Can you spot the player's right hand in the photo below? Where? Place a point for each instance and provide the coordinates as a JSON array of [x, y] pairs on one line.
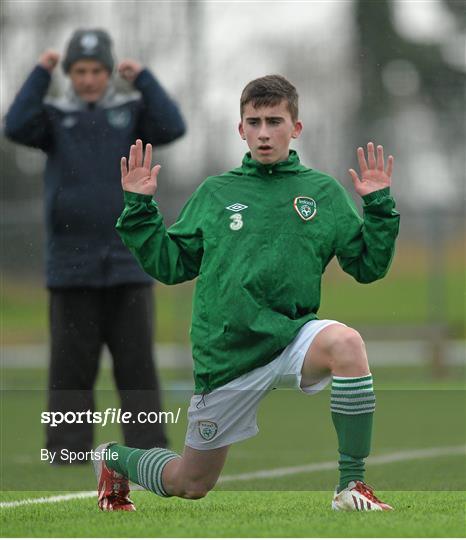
[[49, 59], [136, 174]]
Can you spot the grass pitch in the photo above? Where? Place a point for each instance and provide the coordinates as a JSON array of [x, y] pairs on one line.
[[243, 514], [413, 413]]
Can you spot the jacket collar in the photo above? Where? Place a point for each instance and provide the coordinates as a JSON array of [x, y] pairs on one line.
[[292, 165], [77, 103]]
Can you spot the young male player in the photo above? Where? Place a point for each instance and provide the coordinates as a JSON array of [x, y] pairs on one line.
[[258, 238]]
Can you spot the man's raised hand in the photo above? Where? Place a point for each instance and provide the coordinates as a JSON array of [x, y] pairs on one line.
[[374, 175], [49, 59], [136, 174], [129, 69]]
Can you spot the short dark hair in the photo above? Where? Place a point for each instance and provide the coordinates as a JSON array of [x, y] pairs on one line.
[[269, 91]]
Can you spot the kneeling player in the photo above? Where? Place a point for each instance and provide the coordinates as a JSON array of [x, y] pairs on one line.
[[258, 238]]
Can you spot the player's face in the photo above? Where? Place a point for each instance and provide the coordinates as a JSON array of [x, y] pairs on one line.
[[89, 79], [268, 132]]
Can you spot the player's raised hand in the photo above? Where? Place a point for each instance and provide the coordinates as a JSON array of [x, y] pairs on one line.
[[49, 59], [373, 174], [136, 174]]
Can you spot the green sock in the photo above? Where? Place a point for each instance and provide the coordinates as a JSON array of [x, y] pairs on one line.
[[352, 406], [143, 467]]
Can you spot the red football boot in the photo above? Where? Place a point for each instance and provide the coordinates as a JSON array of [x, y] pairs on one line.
[[112, 487]]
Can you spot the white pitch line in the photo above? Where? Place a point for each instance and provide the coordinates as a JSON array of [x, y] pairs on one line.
[[406, 455], [422, 453], [54, 498]]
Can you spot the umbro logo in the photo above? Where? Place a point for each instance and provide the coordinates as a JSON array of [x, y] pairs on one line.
[[237, 207]]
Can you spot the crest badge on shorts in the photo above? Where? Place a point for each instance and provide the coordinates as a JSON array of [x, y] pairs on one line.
[[306, 207], [207, 430]]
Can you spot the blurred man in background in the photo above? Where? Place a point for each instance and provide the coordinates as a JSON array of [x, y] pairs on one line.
[[98, 293]]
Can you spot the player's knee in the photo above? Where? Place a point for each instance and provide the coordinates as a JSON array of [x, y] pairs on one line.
[[348, 347], [195, 492]]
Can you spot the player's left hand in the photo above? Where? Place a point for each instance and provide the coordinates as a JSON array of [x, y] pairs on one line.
[[374, 175], [129, 69]]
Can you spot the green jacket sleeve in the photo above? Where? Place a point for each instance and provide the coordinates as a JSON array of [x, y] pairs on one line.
[[365, 247], [170, 255]]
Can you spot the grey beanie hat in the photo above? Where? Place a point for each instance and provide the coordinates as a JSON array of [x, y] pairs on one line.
[[89, 44]]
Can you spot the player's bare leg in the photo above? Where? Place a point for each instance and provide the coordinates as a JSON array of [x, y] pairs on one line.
[[190, 476], [195, 473], [340, 351]]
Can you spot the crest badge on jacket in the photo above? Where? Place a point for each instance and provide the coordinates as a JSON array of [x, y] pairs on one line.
[[306, 207], [119, 119]]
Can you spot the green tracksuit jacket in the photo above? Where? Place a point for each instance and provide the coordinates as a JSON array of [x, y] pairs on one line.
[[258, 238]]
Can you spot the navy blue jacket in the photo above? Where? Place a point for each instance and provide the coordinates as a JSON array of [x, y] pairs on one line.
[[83, 196]]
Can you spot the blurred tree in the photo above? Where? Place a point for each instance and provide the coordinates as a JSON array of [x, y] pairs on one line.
[[379, 43], [396, 76], [458, 9]]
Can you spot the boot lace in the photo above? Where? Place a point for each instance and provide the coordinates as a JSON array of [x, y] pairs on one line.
[[120, 487], [367, 491]]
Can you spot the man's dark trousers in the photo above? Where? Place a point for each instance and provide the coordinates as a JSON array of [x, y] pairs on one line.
[[82, 320]]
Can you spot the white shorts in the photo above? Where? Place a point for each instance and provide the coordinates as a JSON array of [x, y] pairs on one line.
[[228, 414]]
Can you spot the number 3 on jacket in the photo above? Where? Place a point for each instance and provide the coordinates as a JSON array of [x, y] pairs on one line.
[[236, 222]]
